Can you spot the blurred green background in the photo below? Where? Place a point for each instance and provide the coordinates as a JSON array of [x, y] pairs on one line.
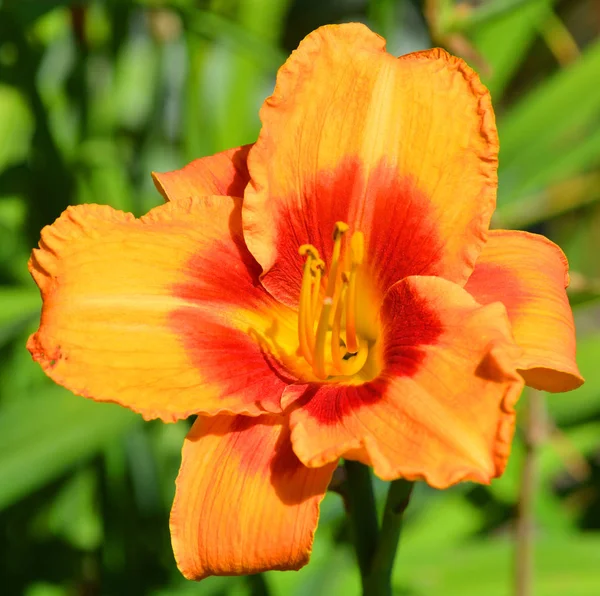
[[93, 96]]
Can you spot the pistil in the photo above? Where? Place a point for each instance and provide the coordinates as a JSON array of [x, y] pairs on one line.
[[357, 249], [332, 279], [336, 345], [318, 268]]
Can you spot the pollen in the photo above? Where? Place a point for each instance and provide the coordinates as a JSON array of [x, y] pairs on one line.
[[327, 315]]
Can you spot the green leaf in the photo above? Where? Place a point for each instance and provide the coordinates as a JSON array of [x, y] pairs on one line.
[[558, 113], [504, 37], [563, 565], [136, 74], [240, 65], [422, 530], [44, 436], [211, 586], [28, 11], [332, 569], [19, 307], [583, 403], [73, 514], [16, 124], [466, 18], [45, 589], [535, 207]]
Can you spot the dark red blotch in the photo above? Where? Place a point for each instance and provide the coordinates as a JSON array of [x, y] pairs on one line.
[[397, 219], [410, 324], [227, 274]]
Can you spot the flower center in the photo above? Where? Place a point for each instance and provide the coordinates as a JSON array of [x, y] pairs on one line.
[[327, 331]]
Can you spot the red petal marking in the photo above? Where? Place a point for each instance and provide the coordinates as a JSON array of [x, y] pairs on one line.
[[285, 462], [238, 364], [226, 273], [223, 282], [404, 238], [415, 325], [329, 404], [401, 235]]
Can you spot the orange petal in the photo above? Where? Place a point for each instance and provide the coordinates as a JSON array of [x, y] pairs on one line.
[[442, 409], [529, 274], [224, 173], [404, 149], [244, 503], [162, 314]]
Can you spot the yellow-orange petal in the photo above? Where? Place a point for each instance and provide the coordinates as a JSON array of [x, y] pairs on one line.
[[403, 149], [442, 409], [224, 173], [162, 314], [244, 503], [529, 274]]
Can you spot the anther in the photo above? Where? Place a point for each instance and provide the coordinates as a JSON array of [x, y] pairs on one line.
[[339, 229], [308, 249], [318, 266]]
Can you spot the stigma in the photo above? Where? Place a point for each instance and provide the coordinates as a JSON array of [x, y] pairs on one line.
[[327, 315]]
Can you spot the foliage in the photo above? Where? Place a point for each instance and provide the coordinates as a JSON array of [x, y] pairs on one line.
[[96, 94]]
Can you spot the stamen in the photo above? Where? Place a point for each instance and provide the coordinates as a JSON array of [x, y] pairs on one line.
[[318, 268], [331, 308], [305, 334], [357, 249], [338, 232], [336, 299], [319, 353]]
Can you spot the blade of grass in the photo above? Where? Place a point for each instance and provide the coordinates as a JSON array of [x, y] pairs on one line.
[[505, 40], [554, 115], [555, 200]]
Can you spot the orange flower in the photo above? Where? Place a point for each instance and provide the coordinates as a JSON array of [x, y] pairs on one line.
[[353, 304]]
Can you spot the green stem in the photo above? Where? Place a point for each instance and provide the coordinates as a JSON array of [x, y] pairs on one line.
[[258, 585], [362, 513], [375, 548], [379, 581]]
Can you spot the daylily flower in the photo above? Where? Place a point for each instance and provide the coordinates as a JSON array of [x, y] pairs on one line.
[[353, 304]]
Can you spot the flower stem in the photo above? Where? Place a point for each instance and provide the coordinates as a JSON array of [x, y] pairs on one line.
[[362, 513], [375, 548], [398, 497], [258, 585]]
